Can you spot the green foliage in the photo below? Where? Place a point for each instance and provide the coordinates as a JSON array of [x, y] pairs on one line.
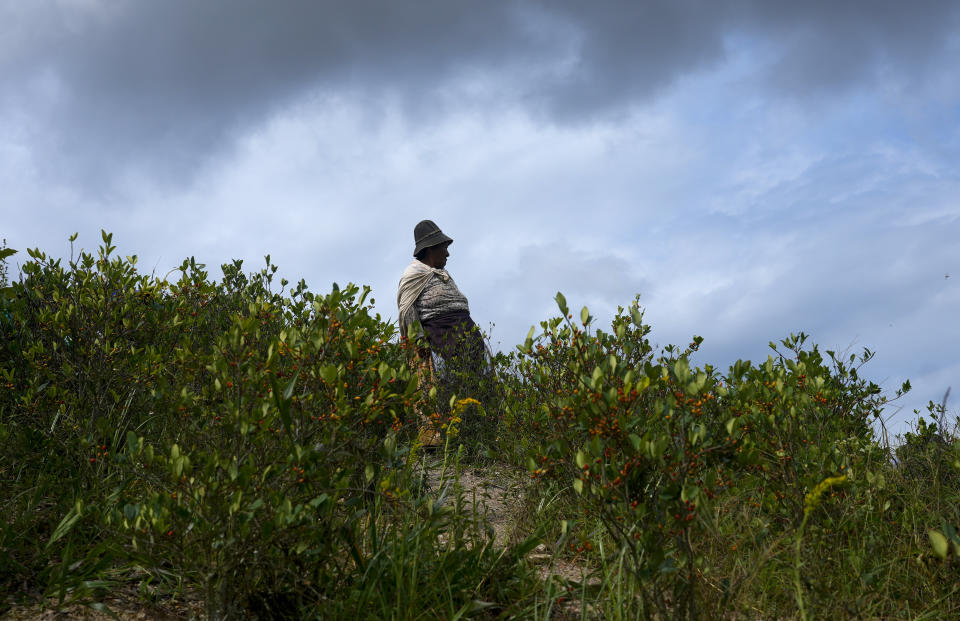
[[259, 448], [257, 445], [680, 466], [281, 439], [5, 253]]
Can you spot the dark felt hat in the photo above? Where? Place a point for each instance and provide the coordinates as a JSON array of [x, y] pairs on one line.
[[427, 234]]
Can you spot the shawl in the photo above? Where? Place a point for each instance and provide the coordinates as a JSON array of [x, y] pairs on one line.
[[412, 282]]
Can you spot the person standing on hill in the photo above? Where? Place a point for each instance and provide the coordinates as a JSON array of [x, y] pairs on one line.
[[433, 311], [451, 355]]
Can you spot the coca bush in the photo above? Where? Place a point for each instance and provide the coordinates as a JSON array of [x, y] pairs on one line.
[[652, 447]]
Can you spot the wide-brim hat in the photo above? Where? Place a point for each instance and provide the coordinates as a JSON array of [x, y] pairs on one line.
[[427, 234]]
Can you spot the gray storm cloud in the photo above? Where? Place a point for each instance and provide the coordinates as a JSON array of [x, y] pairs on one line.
[[166, 85]]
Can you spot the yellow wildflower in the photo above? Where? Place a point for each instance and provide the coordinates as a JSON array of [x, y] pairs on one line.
[[462, 404], [813, 498]]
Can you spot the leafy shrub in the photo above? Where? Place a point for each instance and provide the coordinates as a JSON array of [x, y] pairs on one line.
[[652, 449], [259, 447], [286, 456], [255, 444]]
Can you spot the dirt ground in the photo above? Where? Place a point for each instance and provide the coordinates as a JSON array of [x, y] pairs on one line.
[[125, 607], [497, 493]]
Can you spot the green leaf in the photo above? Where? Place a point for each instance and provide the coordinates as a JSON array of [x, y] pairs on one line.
[[288, 391], [701, 380], [658, 446], [939, 543], [282, 400], [596, 380], [328, 373], [596, 446], [581, 459], [6, 252], [562, 304], [585, 316], [578, 486], [66, 524]]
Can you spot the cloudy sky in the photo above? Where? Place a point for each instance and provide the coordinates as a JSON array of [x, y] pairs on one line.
[[752, 168]]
